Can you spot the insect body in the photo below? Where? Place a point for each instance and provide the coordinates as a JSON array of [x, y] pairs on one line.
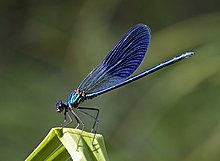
[[113, 72]]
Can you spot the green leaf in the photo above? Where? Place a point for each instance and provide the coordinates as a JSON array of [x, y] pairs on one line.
[[61, 144]]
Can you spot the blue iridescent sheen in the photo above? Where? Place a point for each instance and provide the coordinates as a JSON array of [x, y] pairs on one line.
[[113, 72], [73, 97], [121, 62]]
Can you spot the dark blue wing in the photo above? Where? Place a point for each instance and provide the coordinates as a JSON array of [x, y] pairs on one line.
[[121, 62]]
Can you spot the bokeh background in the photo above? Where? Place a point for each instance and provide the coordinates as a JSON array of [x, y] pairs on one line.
[[48, 47]]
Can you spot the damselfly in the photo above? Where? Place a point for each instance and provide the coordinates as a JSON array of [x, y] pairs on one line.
[[113, 72]]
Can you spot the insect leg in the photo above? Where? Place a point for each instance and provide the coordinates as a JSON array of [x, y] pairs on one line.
[[79, 122], [96, 123]]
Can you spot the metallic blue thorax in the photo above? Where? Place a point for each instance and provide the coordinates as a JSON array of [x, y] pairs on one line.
[[73, 98]]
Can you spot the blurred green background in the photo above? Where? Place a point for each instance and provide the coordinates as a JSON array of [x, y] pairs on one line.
[[48, 47]]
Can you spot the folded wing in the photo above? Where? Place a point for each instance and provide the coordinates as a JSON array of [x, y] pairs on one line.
[[121, 62]]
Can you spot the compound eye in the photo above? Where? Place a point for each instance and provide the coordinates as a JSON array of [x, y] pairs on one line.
[[60, 106]]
